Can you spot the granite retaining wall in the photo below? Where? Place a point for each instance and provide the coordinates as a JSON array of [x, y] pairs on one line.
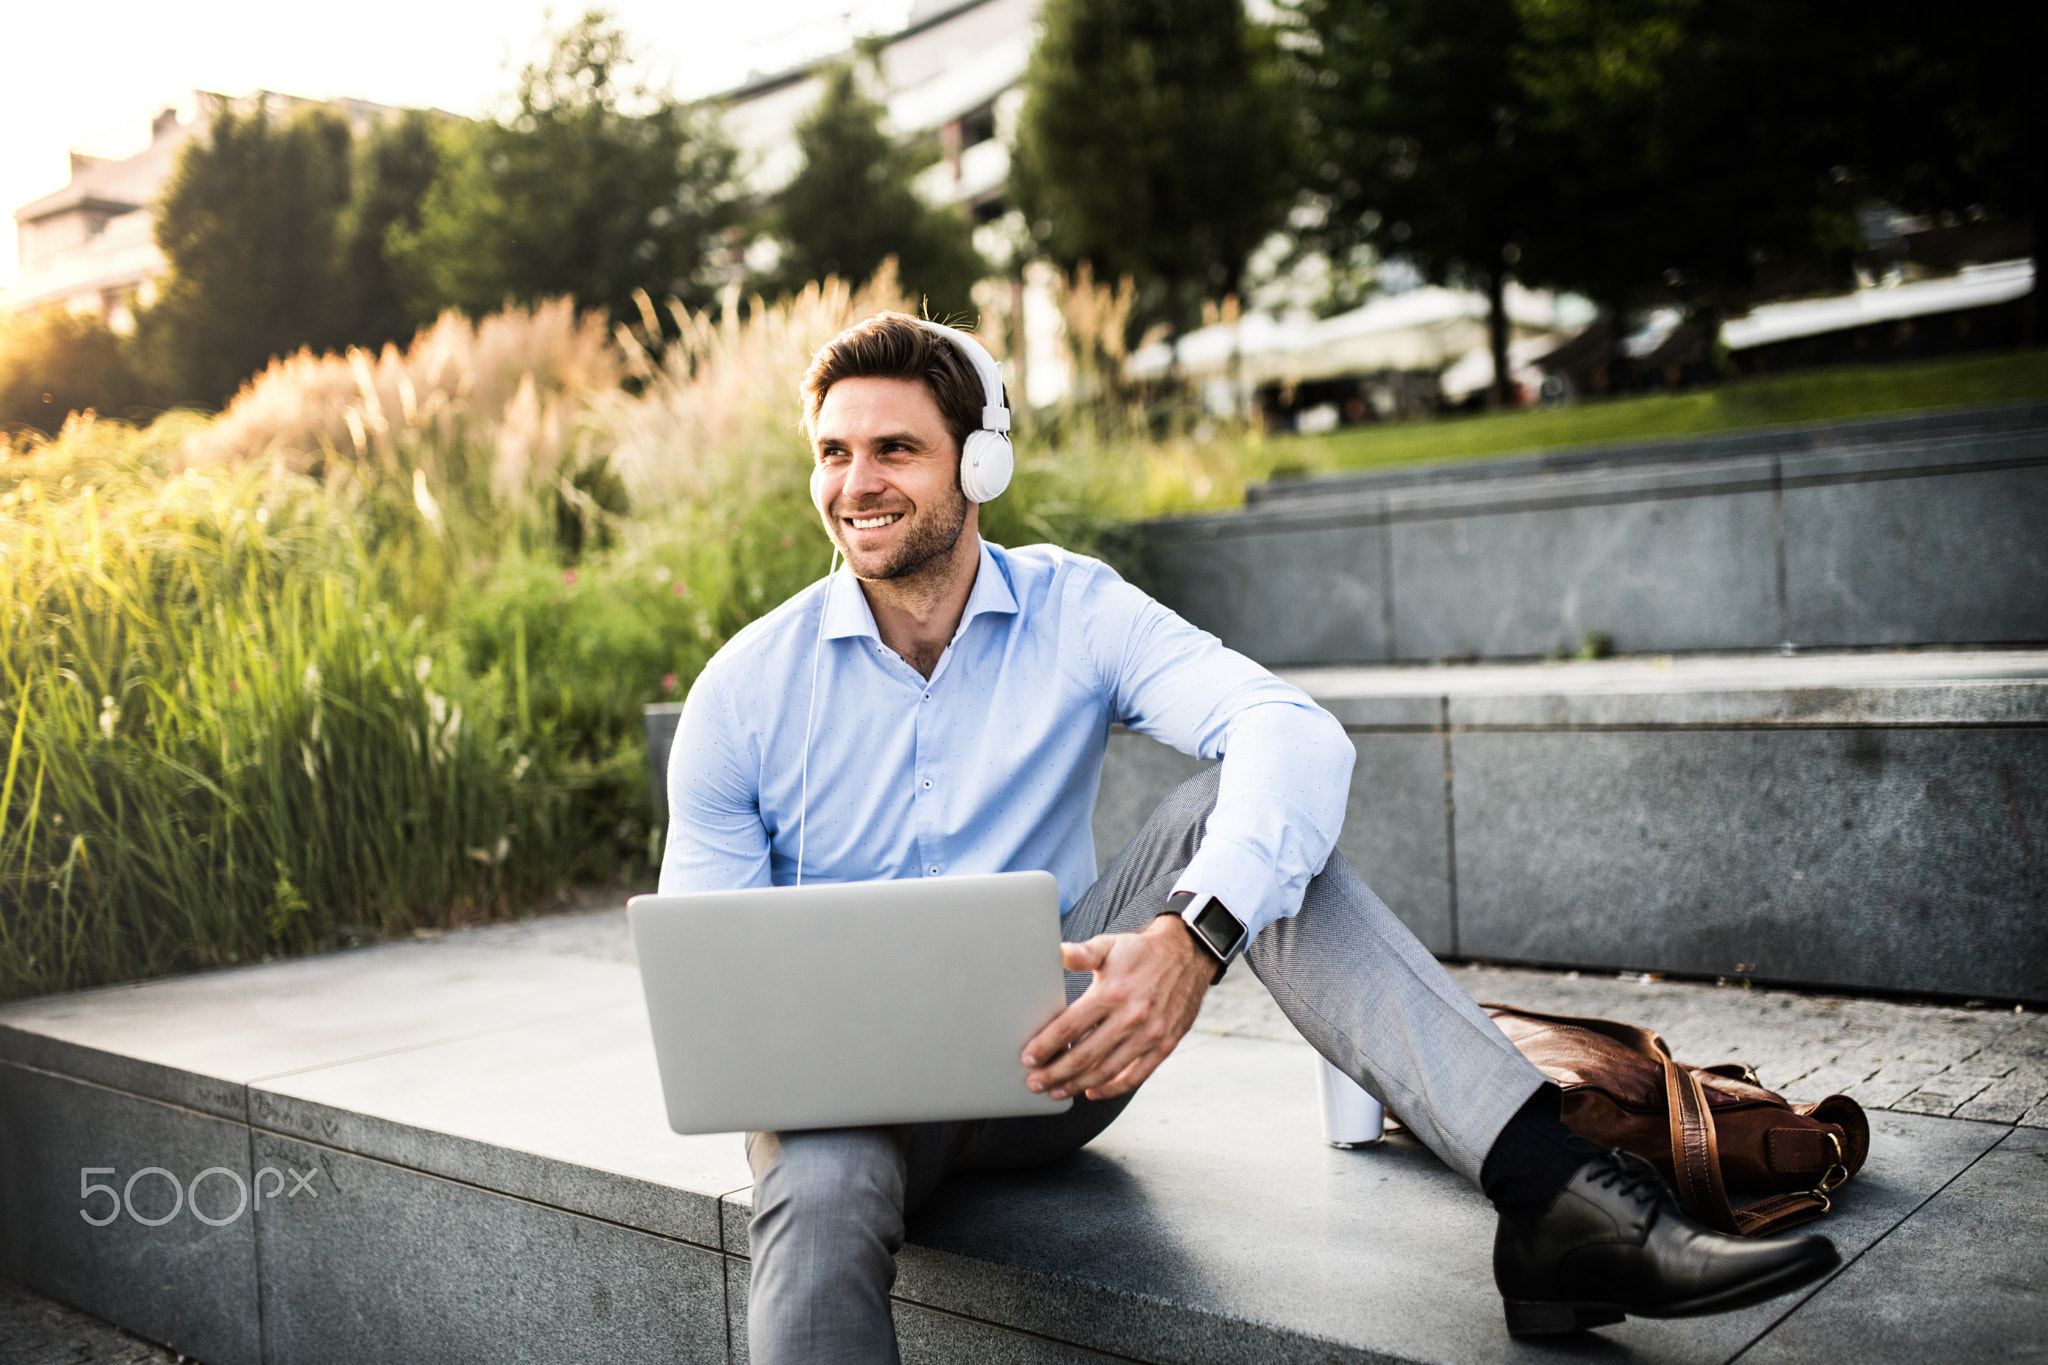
[[1833, 821], [1929, 529]]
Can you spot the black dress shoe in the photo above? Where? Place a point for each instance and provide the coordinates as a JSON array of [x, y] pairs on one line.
[[1615, 1243]]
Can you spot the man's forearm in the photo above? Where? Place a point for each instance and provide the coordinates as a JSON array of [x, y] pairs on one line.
[[1279, 806]]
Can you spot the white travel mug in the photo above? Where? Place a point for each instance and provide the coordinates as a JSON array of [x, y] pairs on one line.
[[1351, 1117]]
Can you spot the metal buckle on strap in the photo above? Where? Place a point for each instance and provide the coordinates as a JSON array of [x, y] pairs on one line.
[[1834, 1177]]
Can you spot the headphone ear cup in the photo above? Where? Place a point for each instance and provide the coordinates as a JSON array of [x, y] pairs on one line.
[[986, 462]]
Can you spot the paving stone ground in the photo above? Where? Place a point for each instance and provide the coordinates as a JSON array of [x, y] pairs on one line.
[[1948, 1061], [37, 1330]]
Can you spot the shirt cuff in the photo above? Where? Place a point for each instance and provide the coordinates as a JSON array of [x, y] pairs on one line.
[[1244, 890]]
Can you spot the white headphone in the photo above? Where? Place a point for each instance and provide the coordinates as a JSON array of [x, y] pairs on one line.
[[986, 460]]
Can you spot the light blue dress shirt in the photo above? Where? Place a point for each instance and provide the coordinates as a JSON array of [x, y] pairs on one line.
[[991, 764]]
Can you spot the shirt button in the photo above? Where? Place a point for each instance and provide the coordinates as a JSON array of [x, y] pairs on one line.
[[927, 784], [934, 872]]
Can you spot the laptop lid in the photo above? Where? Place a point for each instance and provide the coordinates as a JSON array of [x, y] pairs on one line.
[[846, 1004]]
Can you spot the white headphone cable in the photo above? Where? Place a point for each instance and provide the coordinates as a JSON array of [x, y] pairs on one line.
[[803, 809]]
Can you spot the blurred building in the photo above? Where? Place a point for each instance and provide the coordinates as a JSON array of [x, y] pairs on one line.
[[91, 246], [954, 70]]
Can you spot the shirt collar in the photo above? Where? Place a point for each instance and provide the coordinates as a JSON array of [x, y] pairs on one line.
[[846, 608], [991, 591], [847, 612]]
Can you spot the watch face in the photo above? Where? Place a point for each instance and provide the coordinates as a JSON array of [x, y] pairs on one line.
[[1220, 928]]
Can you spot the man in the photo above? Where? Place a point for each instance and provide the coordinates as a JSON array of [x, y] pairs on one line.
[[941, 706]]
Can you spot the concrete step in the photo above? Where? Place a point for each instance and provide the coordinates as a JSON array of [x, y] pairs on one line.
[[1914, 530], [470, 1163], [1868, 821]]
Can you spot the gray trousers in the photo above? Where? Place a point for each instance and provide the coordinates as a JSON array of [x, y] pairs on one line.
[[829, 1204]]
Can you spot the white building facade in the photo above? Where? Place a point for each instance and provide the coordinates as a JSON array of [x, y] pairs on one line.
[[91, 246], [955, 70]]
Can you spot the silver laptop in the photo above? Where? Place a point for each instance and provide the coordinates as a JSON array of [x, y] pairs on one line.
[[850, 1003]]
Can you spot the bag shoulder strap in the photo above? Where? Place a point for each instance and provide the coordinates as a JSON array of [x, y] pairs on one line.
[[1779, 1212], [1695, 1146]]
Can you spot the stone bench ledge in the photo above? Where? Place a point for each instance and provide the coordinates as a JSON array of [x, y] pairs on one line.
[[497, 1180], [1960, 687]]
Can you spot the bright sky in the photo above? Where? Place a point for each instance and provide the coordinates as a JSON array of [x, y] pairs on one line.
[[77, 74]]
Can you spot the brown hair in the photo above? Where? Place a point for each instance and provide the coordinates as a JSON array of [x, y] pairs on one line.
[[895, 346]]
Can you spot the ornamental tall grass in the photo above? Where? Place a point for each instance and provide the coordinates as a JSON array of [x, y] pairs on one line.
[[367, 652], [219, 743]]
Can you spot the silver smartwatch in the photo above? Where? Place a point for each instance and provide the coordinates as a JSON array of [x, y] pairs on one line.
[[1219, 932]]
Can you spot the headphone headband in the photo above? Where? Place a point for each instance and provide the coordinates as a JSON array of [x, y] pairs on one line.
[[994, 416], [985, 459]]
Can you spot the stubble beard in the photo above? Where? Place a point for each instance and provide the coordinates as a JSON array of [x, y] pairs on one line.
[[930, 536]]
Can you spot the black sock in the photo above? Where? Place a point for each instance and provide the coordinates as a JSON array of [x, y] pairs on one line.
[[1533, 1159]]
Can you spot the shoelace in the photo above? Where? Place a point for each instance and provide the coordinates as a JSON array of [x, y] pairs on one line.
[[1631, 1176]]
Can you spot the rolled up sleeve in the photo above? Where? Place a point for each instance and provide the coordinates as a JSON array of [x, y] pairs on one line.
[[1286, 761]]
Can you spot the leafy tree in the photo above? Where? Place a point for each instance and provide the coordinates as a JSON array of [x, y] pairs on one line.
[[595, 187], [854, 203], [1703, 144], [250, 226], [1721, 149], [1154, 142], [1650, 151], [394, 167], [1421, 141], [54, 363], [1951, 115]]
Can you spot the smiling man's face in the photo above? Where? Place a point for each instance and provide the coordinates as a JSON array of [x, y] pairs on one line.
[[888, 477]]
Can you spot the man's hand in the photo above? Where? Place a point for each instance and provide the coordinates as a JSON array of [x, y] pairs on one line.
[[1147, 990]]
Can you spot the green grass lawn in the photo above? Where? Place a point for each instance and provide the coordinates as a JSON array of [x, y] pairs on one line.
[[1771, 400]]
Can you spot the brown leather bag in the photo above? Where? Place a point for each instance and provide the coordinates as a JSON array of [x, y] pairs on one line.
[[1708, 1129]]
